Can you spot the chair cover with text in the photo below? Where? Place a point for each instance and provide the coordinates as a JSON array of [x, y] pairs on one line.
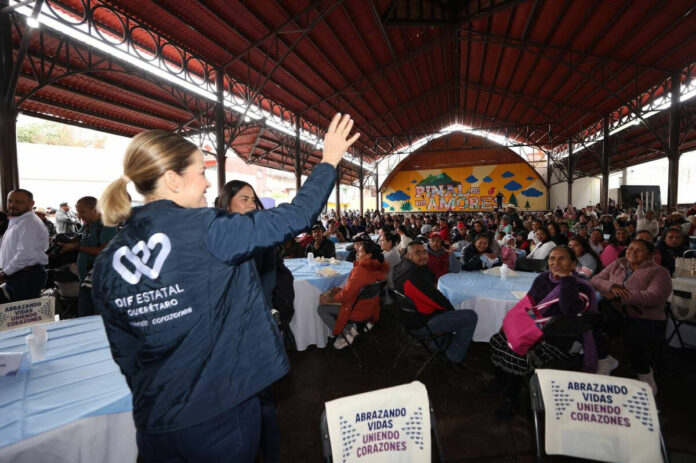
[[386, 425], [602, 418]]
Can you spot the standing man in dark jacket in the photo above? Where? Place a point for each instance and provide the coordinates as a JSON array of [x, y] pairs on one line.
[[321, 247], [415, 280]]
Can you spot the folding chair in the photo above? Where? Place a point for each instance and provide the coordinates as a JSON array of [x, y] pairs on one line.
[[537, 405], [531, 265], [572, 325], [682, 301], [366, 292], [326, 439], [66, 288], [412, 322]]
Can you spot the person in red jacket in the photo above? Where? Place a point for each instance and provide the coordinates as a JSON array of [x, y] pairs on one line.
[[440, 259], [415, 280], [335, 305], [444, 229]]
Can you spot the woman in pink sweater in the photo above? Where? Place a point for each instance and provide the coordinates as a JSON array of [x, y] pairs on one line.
[[635, 289], [619, 241]]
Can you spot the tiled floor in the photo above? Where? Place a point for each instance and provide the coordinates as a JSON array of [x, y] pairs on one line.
[[467, 428]]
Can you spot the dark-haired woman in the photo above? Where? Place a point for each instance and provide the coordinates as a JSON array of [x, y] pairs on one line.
[[556, 234], [478, 255], [636, 289], [618, 242], [388, 242], [335, 305], [597, 241], [544, 245], [192, 358], [239, 197], [560, 282], [606, 223], [589, 262]]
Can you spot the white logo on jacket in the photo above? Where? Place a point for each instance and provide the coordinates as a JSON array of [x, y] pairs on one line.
[[139, 255]]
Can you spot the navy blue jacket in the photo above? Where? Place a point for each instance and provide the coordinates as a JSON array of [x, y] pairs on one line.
[[183, 306]]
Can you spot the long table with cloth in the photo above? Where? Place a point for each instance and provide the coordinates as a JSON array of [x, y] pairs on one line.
[[73, 406], [487, 294], [306, 325]]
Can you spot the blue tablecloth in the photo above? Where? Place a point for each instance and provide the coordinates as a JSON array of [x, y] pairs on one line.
[[301, 270], [78, 379], [341, 251], [458, 287]]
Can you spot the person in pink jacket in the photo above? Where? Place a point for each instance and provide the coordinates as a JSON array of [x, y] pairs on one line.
[[635, 291], [619, 241]]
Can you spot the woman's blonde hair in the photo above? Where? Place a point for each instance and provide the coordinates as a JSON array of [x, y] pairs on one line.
[[148, 156]]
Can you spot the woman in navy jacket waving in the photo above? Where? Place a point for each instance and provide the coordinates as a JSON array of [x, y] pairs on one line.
[[182, 303]]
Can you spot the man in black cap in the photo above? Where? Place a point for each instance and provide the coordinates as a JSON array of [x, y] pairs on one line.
[[321, 247]]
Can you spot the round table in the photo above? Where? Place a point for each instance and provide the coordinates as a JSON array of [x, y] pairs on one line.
[[306, 325], [487, 295]]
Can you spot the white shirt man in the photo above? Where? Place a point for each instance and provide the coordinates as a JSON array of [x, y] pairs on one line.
[[23, 249]]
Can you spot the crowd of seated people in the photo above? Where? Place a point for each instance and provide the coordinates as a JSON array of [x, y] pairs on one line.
[[627, 256]]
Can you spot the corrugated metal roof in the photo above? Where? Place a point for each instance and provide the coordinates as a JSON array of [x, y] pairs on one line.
[[398, 67]]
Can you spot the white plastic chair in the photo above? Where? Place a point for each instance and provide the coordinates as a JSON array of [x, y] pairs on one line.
[[349, 435], [638, 406]]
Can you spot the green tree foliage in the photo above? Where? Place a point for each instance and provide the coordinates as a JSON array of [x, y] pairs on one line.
[[526, 205], [52, 133], [513, 200], [406, 206]]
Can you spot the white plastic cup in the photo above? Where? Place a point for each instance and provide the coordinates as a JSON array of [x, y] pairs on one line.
[[310, 258], [36, 341], [504, 272]]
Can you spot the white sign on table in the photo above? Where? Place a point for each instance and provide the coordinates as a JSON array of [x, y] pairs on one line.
[[28, 312], [602, 418]]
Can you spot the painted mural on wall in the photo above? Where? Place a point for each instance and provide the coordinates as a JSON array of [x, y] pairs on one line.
[[474, 188]]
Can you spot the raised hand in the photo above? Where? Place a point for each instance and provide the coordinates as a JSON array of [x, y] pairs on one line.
[[336, 140]]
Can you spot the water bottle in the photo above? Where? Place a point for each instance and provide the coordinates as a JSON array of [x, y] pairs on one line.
[[504, 272], [310, 258]]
